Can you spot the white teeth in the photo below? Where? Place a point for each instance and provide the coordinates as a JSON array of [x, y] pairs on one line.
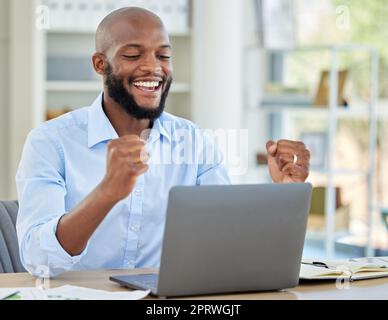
[[147, 84]]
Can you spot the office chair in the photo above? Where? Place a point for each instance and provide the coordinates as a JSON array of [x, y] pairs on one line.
[[9, 248]]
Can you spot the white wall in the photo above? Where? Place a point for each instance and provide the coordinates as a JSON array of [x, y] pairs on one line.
[[218, 49], [253, 118], [217, 61], [228, 76], [26, 80], [20, 82], [4, 97]]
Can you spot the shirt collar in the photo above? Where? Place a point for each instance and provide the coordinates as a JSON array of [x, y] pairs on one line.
[[160, 128], [100, 129]]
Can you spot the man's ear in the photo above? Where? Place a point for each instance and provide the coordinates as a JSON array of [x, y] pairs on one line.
[[99, 63]]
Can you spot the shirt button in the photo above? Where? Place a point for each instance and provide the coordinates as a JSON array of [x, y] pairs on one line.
[[138, 192]]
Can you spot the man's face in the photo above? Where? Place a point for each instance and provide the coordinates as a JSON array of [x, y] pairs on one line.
[[139, 73], [126, 100]]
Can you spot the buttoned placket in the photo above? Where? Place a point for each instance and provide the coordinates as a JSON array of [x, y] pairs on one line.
[[135, 207]]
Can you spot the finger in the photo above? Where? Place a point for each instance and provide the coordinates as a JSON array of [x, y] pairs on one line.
[[125, 147], [144, 155], [301, 157], [296, 146], [282, 159], [132, 146], [271, 148], [131, 138], [142, 170], [291, 151], [293, 168], [122, 147], [138, 168], [297, 172], [127, 139], [137, 157]]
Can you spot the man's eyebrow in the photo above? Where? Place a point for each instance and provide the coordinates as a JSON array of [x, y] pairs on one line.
[[133, 45]]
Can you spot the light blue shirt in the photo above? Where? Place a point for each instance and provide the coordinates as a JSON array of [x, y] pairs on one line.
[[64, 159]]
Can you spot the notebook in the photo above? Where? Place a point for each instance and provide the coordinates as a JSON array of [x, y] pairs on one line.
[[353, 269]]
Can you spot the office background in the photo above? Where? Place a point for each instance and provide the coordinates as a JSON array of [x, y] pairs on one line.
[[265, 66]]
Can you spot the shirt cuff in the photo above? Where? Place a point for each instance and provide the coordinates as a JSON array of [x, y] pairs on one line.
[[57, 256]]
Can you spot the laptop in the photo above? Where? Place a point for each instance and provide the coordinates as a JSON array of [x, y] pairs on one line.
[[229, 239]]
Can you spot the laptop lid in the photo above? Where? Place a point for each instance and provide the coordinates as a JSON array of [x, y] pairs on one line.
[[233, 238]]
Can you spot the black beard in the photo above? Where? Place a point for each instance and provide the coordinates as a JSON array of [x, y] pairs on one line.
[[119, 94]]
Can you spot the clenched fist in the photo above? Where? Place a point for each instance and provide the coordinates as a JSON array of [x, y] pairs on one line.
[[126, 160], [288, 161]]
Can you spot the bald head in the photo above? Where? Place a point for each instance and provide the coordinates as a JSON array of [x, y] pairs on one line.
[[124, 20]]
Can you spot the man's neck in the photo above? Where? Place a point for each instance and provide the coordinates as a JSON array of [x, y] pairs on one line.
[[122, 122]]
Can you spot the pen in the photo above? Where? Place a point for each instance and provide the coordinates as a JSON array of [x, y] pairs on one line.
[[317, 264]]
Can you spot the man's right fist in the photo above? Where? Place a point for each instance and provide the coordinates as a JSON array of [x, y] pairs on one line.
[[126, 160]]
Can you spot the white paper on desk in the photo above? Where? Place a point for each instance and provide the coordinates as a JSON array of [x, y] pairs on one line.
[[69, 292], [23, 293], [4, 293], [80, 293]]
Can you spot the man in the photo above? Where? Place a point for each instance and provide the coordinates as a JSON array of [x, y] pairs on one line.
[[89, 195]]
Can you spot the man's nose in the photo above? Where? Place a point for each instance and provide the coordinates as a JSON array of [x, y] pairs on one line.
[[151, 64]]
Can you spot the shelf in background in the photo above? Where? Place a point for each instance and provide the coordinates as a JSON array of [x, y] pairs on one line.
[[96, 86], [77, 86], [341, 112], [359, 172], [314, 111]]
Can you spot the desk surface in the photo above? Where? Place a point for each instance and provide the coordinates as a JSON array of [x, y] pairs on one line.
[[99, 279]]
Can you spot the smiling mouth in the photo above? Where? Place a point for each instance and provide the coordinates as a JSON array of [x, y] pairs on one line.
[[148, 86]]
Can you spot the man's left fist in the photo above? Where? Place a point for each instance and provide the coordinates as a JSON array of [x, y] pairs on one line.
[[288, 161]]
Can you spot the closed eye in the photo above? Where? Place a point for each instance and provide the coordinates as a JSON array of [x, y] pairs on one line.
[[131, 57], [165, 57]]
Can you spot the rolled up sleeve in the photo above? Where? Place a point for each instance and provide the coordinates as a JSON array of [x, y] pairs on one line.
[[41, 193]]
